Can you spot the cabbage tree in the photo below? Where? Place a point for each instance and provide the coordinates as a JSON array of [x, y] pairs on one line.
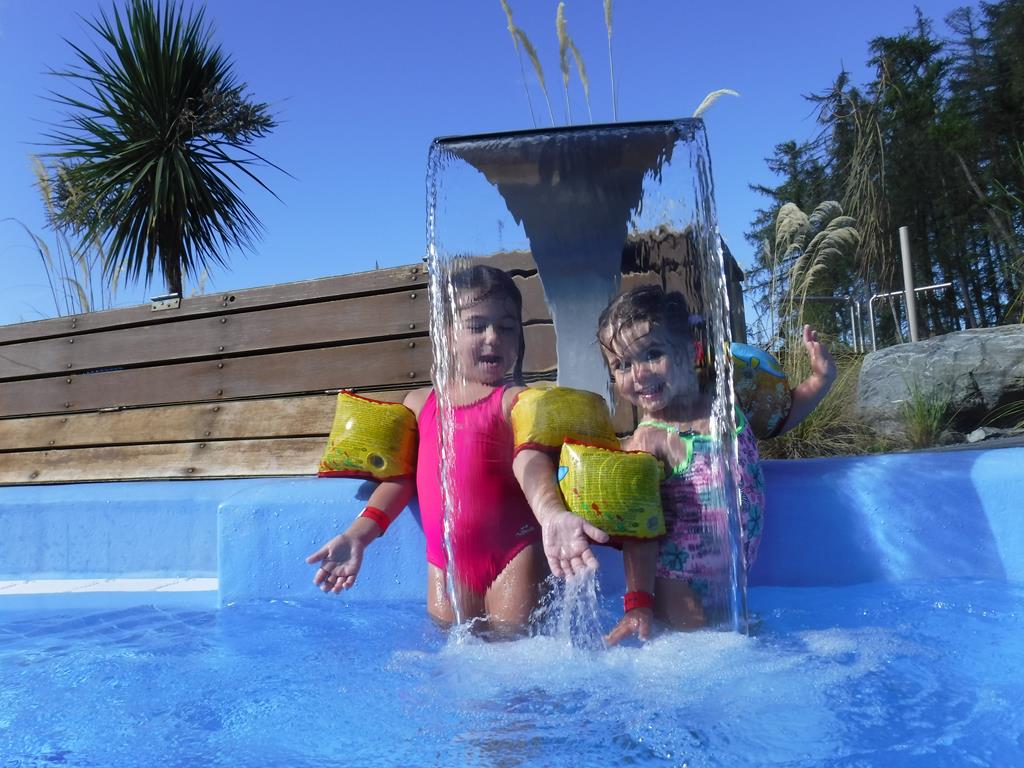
[[153, 145]]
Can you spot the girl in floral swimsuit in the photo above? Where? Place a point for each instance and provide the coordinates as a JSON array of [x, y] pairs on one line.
[[646, 339]]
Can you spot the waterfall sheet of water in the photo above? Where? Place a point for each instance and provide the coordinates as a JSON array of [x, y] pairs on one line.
[[600, 209]]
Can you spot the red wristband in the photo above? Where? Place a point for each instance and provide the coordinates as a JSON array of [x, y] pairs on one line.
[[637, 600], [378, 516]]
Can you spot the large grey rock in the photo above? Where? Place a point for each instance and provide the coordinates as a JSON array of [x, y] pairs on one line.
[[979, 371]]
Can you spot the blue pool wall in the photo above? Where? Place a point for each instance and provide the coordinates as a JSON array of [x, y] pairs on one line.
[[828, 522]]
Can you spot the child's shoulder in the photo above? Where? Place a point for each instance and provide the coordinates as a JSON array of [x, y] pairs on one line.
[[508, 398], [417, 398], [648, 439]]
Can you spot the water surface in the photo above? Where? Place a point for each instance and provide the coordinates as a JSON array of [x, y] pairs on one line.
[[874, 675]]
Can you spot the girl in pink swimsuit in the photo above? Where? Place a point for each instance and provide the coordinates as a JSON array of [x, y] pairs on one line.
[[646, 339], [495, 539]]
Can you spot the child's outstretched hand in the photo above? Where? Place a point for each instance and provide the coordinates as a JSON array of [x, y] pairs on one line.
[[567, 540], [636, 622], [821, 360], [812, 390], [340, 560]]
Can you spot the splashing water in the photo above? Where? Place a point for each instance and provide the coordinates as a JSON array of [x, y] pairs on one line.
[[599, 209], [569, 611], [924, 674]]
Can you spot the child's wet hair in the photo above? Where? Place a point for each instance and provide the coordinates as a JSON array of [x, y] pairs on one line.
[[483, 282], [649, 304]]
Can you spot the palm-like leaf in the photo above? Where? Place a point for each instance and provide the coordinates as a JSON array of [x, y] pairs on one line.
[[156, 133]]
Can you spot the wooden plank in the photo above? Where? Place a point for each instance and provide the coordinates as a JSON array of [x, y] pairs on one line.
[[377, 281], [230, 458], [303, 416], [393, 314], [356, 365], [412, 276], [298, 416], [378, 364]]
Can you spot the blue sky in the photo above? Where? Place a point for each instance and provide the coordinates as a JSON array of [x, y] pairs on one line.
[[360, 89]]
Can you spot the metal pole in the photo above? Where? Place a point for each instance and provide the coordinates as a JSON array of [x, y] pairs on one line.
[[871, 306], [871, 322], [860, 327], [908, 283], [853, 327]]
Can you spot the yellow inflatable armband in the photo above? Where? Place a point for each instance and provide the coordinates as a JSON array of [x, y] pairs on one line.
[[618, 491], [762, 391], [543, 419], [370, 439]]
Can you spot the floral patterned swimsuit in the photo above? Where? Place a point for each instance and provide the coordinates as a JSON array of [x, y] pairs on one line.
[[693, 497]]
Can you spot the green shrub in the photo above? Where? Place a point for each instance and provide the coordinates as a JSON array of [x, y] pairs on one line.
[[925, 414]]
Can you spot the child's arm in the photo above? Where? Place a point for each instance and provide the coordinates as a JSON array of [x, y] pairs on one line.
[[566, 536], [639, 559], [813, 389], [341, 558]]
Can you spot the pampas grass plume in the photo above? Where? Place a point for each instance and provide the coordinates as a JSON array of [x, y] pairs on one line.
[[711, 98]]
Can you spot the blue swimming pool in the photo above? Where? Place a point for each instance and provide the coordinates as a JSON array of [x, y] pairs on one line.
[[889, 603], [918, 674]]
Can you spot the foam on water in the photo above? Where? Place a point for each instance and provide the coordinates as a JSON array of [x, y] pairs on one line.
[[914, 675]]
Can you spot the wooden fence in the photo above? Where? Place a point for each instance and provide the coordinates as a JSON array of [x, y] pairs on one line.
[[231, 385]]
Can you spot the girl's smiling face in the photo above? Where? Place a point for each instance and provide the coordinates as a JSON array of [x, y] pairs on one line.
[[651, 370], [487, 338]]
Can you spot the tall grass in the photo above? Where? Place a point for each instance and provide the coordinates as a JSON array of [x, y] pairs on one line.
[[74, 271], [567, 47], [805, 247], [520, 38], [611, 60], [711, 98], [1009, 413], [925, 413], [567, 50], [833, 428]]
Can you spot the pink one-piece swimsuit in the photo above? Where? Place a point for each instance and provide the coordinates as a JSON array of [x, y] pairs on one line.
[[493, 521]]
